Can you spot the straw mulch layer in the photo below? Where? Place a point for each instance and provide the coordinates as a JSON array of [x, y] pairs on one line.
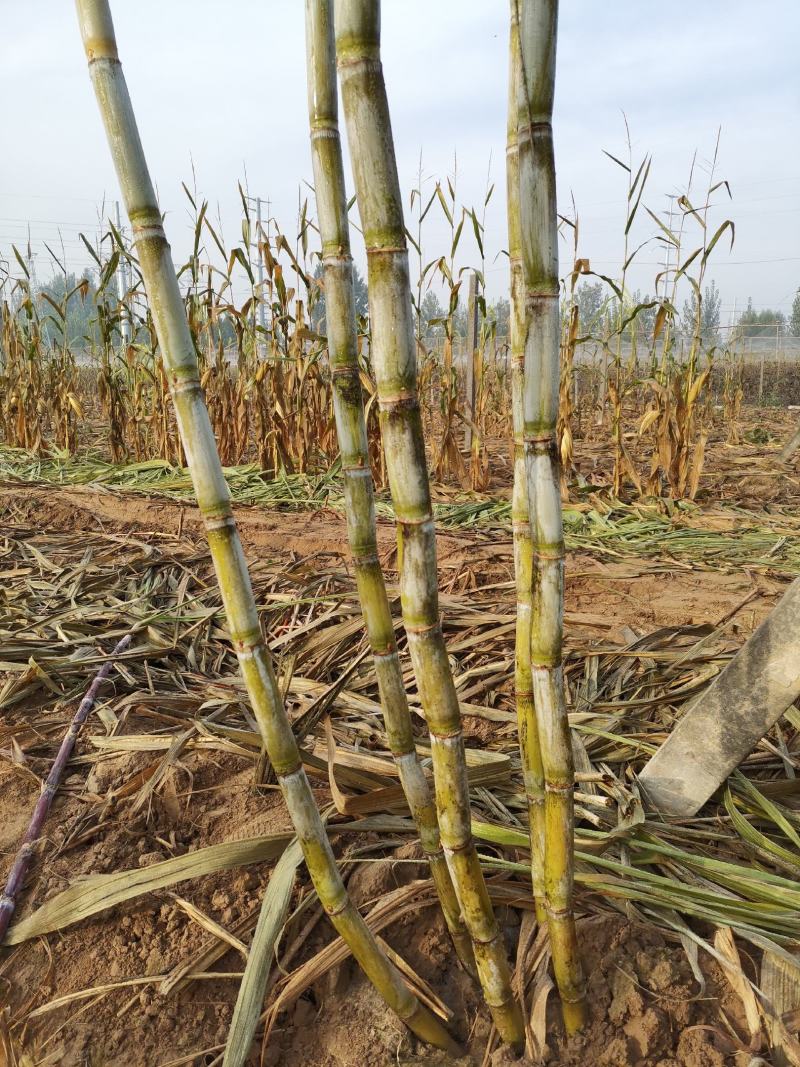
[[132, 934]]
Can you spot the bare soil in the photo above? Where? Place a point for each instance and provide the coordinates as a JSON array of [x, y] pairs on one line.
[[647, 1007]]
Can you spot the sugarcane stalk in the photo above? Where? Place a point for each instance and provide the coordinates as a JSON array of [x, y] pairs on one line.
[[22, 862], [214, 502], [351, 428], [528, 730], [537, 21], [394, 362]]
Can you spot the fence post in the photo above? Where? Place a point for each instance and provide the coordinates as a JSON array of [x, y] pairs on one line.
[[471, 355], [761, 376]]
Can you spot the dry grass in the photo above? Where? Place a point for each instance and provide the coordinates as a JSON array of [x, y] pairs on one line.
[[178, 692]]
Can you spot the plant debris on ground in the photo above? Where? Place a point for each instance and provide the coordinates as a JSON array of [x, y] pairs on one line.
[[147, 887]]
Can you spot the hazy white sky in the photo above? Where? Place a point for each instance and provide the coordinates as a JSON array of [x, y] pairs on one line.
[[223, 85]]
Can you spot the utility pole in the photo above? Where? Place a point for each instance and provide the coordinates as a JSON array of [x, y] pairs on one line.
[[31, 266], [122, 287], [471, 357], [262, 318], [668, 247], [761, 376]]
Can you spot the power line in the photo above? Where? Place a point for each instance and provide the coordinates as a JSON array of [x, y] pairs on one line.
[[49, 196]]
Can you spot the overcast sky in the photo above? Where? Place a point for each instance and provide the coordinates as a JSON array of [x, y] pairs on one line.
[[223, 86]]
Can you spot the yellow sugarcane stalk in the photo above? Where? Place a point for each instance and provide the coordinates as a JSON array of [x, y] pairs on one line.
[[530, 753], [393, 354], [351, 428], [537, 22], [213, 499]]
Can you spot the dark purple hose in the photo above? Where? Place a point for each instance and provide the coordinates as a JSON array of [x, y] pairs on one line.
[[8, 901]]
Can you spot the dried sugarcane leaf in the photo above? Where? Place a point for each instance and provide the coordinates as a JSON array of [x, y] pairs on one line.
[[725, 944], [272, 917], [780, 984], [102, 891]]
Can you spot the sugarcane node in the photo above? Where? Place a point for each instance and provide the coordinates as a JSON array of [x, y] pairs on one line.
[[397, 404], [345, 372], [375, 251], [401, 752], [219, 522], [427, 629], [415, 522], [151, 229], [455, 850], [447, 735], [99, 49], [386, 653], [366, 59], [432, 854], [557, 788], [366, 561], [537, 299], [337, 909], [247, 646], [561, 914], [284, 776], [323, 132], [183, 383], [533, 126]]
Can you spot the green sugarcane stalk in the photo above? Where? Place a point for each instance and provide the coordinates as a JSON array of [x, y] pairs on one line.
[[213, 499], [537, 21], [351, 428], [532, 772], [394, 360]]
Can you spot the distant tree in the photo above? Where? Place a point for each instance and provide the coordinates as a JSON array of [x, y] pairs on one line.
[[592, 302], [316, 300], [431, 310], [645, 321], [710, 315], [460, 320], [499, 311], [81, 320], [360, 294], [762, 323], [794, 318], [224, 330]]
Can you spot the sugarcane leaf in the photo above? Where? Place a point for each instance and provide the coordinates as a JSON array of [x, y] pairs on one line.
[[635, 208], [22, 263], [727, 224], [671, 238], [456, 237], [102, 891], [477, 229], [615, 160], [443, 202], [271, 919]]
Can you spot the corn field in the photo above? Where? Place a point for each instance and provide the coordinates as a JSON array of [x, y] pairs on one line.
[[261, 347], [496, 571]]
